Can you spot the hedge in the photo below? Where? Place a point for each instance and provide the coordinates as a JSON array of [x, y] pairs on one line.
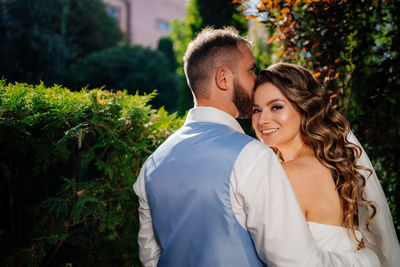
[[67, 165]]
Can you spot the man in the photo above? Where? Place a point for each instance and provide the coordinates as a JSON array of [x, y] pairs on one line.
[[211, 195]]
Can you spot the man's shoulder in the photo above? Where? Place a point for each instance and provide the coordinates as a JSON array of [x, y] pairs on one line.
[[254, 150], [253, 163], [257, 145]]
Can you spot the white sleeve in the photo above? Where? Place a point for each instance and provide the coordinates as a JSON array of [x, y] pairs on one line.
[[274, 217], [149, 250]]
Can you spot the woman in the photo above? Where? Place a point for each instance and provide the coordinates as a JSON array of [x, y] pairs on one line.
[[332, 177]]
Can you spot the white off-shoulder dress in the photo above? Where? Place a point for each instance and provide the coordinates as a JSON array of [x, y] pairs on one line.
[[334, 238]]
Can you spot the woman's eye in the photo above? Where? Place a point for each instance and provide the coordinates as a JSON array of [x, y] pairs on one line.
[[277, 107], [256, 110]]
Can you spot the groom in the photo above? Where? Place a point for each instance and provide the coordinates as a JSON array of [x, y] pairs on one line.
[[212, 196]]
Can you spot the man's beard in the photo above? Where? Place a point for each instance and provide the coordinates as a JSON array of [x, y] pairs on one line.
[[242, 100]]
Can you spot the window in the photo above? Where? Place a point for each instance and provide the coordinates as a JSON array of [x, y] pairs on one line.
[[163, 25], [113, 12]]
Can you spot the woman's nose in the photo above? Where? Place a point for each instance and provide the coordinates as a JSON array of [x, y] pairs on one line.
[[264, 117]]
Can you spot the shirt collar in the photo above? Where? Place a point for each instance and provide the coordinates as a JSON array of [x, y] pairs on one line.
[[210, 114]]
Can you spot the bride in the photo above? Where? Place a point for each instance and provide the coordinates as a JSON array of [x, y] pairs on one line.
[[332, 177]]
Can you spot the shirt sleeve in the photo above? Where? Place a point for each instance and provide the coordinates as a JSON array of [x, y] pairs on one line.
[[274, 217], [149, 250]]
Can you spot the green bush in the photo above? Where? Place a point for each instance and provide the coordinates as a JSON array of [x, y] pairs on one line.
[[165, 46], [67, 165], [132, 68]]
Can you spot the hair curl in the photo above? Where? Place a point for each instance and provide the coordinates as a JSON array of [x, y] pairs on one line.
[[326, 131]]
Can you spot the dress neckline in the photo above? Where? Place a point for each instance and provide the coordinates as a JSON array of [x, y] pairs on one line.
[[329, 225], [338, 227]]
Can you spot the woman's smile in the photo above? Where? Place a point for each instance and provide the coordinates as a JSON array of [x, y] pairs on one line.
[[268, 132]]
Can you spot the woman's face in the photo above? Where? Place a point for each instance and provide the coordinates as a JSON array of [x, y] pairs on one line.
[[275, 121]]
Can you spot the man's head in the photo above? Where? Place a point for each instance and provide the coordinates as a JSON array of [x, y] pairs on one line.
[[220, 60]]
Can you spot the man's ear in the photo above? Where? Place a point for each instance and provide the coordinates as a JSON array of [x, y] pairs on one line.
[[224, 78]]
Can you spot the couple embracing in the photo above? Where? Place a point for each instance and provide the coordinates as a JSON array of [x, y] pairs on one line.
[[306, 195]]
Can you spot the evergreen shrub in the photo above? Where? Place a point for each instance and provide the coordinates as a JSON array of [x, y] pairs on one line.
[[67, 165], [134, 68]]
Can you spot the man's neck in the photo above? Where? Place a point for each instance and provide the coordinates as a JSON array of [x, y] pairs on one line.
[[228, 108]]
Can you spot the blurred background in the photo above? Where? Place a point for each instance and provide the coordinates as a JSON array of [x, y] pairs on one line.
[[89, 88]]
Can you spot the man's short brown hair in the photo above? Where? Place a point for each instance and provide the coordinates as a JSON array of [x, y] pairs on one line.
[[209, 50]]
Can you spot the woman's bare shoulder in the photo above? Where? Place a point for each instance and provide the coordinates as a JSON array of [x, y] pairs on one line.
[[305, 173], [301, 168], [299, 174]]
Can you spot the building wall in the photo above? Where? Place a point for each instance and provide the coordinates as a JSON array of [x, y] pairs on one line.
[[145, 21]]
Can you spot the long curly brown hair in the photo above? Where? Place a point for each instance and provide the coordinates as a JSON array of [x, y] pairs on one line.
[[326, 131]]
